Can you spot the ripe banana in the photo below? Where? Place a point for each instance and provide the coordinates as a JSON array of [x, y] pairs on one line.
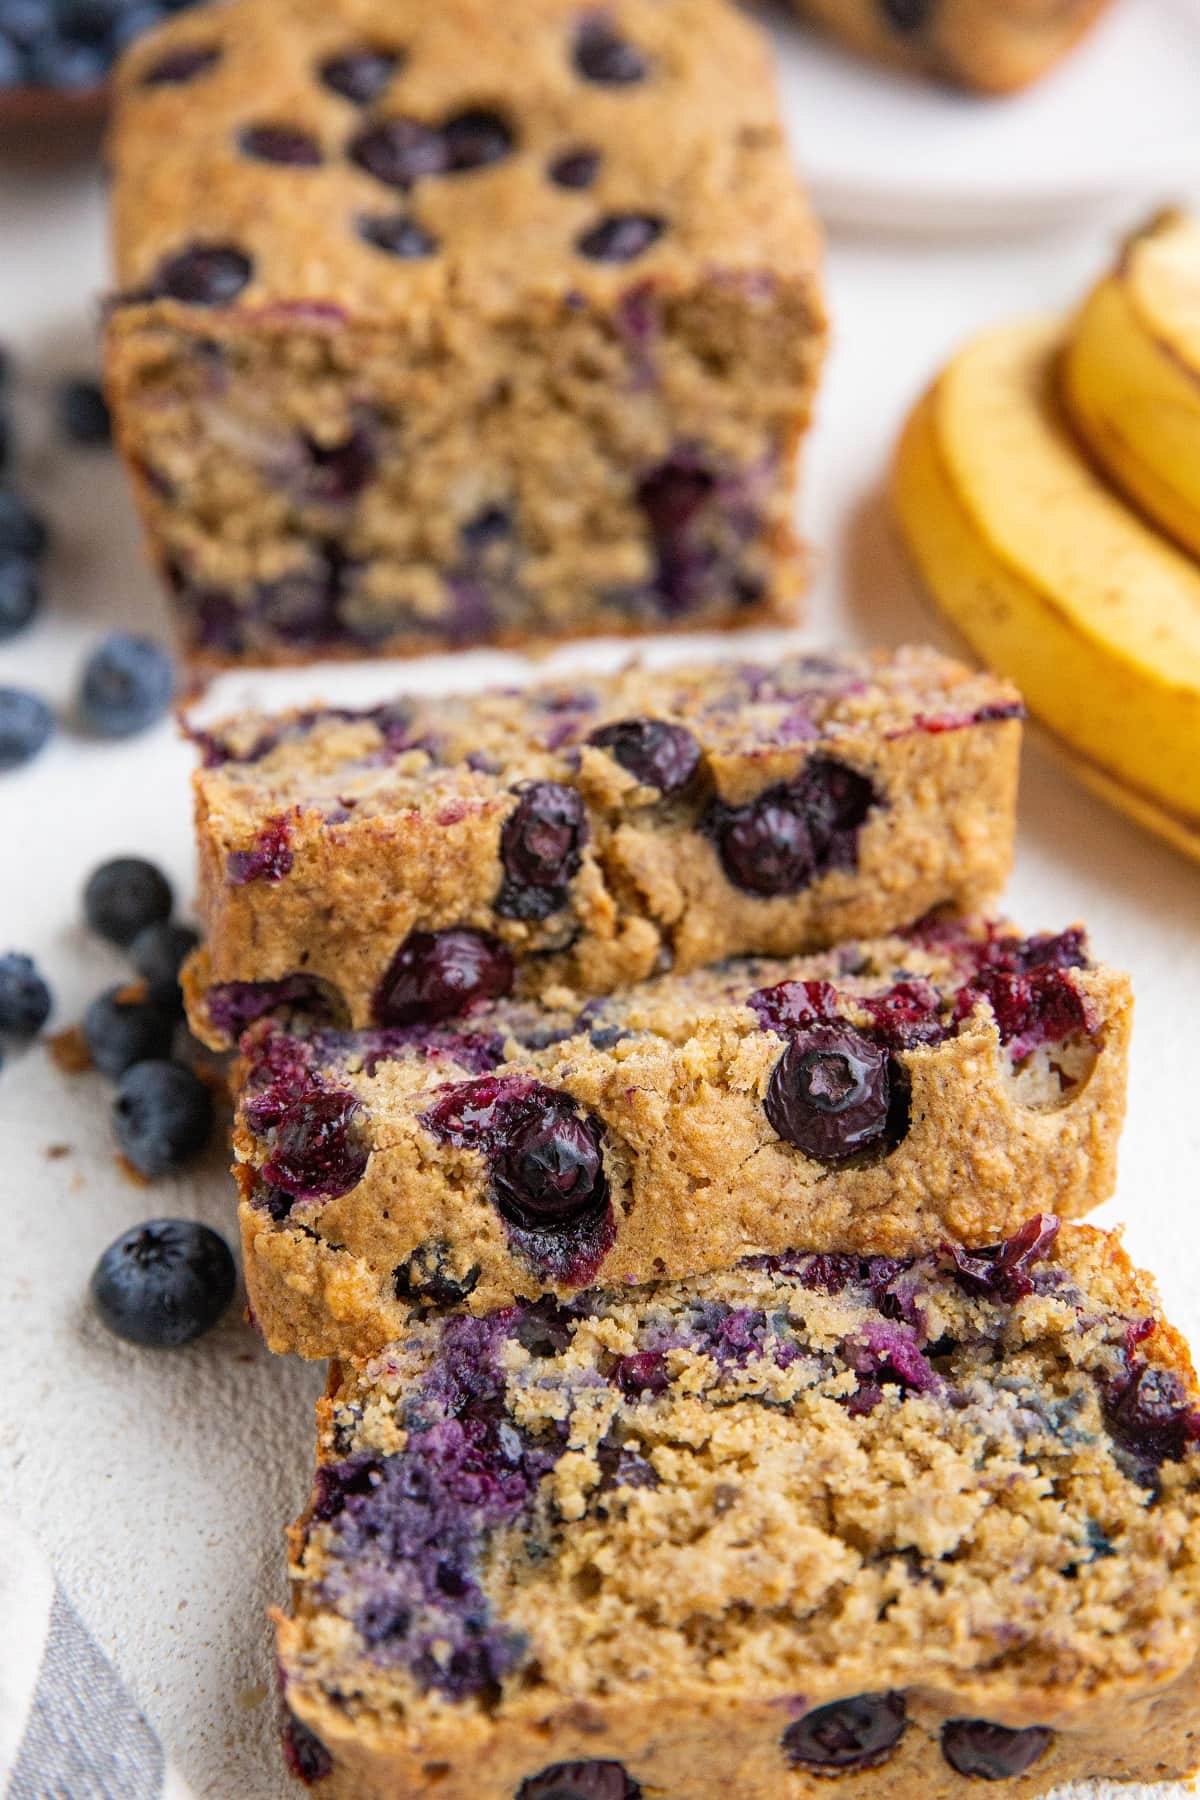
[[1131, 373], [1053, 579]]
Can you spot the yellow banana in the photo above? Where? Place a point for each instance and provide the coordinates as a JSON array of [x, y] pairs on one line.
[[1131, 373], [1053, 579]]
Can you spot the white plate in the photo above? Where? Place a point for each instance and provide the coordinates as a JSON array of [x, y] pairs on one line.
[[1116, 121]]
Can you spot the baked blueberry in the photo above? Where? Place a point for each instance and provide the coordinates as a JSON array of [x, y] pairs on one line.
[[541, 848], [766, 846], [436, 974], [122, 897], [26, 724], [545, 1163], [849, 1734], [20, 593], [162, 1116], [655, 753], [83, 414], [204, 274], [475, 139], [430, 1277], [164, 1283], [575, 168], [126, 686], [318, 1150], [157, 953], [360, 75], [22, 531], [396, 234], [122, 1027], [992, 1752], [620, 237], [830, 1093], [581, 1781], [602, 55], [284, 144], [24, 996], [182, 64], [303, 1752], [399, 151]]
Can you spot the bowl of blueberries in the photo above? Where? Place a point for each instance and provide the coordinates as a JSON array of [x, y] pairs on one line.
[[55, 55]]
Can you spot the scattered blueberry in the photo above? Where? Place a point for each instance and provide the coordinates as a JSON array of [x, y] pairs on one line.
[[162, 1116], [766, 846], [164, 1283], [428, 1276], [849, 1734], [474, 140], [602, 55], [22, 531], [435, 975], [830, 1093], [399, 151], [360, 75], [26, 724], [620, 237], [581, 1781], [157, 953], [541, 848], [655, 753], [992, 1752], [318, 1151], [127, 685], [121, 1027], [24, 996], [575, 168], [396, 234], [179, 65], [283, 144], [20, 593], [83, 413], [124, 896], [303, 1751], [203, 274], [545, 1163]]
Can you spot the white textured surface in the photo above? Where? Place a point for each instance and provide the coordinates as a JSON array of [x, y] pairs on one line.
[[160, 1484]]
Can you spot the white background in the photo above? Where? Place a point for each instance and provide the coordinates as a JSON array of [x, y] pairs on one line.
[[160, 1485]]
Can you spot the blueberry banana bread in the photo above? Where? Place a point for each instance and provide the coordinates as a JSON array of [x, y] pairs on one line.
[[992, 45], [442, 324], [406, 861], [880, 1097], [812, 1526]]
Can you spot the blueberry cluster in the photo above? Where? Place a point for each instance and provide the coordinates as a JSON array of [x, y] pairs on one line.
[[70, 45]]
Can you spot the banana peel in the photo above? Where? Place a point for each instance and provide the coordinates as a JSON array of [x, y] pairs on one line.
[[1053, 579], [1131, 373]]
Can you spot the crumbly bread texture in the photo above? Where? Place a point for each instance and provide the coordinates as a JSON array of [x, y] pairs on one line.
[[465, 322], [994, 46], [877, 1098], [593, 831], [811, 1526]]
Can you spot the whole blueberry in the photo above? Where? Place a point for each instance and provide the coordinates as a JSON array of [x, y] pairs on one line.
[[436, 974], [396, 234], [203, 274], [26, 724], [162, 1116], [22, 531], [360, 75], [284, 144], [83, 414], [907, 16], [545, 1163], [575, 169], [157, 953], [581, 1781], [655, 753], [475, 139], [992, 1752], [766, 846], [122, 897], [126, 686], [849, 1734], [620, 237], [541, 848], [603, 56], [121, 1027], [318, 1152], [830, 1093], [164, 1283], [399, 151], [24, 996], [20, 593]]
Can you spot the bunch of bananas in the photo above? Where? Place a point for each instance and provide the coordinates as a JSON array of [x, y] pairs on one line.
[[1048, 488]]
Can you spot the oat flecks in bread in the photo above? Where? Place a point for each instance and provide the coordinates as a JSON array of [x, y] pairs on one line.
[[440, 324], [660, 1529], [594, 830], [878, 1098]]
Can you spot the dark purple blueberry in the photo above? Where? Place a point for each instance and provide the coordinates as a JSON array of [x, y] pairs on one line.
[[339, 472], [361, 75], [849, 1734], [269, 859], [303, 1752], [399, 152], [541, 848], [602, 55], [319, 1150], [674, 494], [545, 1163], [157, 953], [790, 1004], [581, 1781], [24, 996], [907, 16], [122, 897], [837, 800], [1003, 1271], [181, 64], [164, 1283], [162, 1117], [26, 726], [285, 144], [992, 1752], [1151, 1417], [1039, 1006], [643, 1373], [121, 1028], [491, 525], [203, 274], [23, 532], [575, 169], [766, 847], [437, 974], [396, 235], [429, 1276], [126, 686], [620, 237], [656, 754], [475, 139], [83, 414], [830, 1093]]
